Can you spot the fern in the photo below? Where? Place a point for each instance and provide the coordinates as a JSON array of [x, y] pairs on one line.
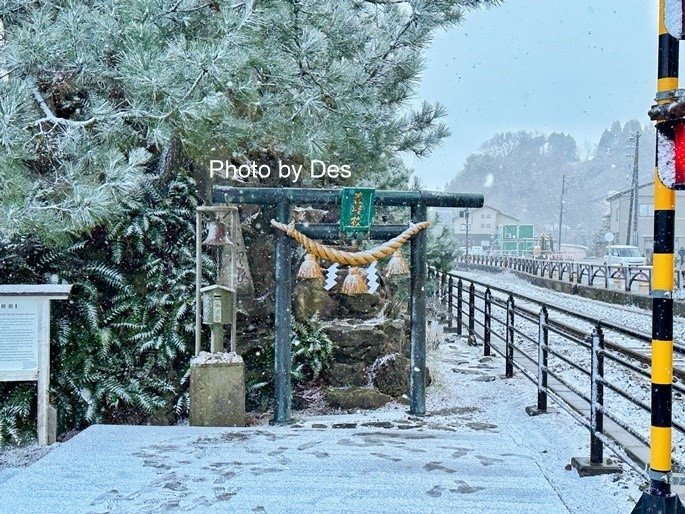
[[122, 343], [312, 350]]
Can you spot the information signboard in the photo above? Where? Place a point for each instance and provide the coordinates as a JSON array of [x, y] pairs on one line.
[[25, 343], [19, 334]]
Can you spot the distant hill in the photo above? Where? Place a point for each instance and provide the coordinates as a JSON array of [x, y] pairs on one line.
[[520, 173]]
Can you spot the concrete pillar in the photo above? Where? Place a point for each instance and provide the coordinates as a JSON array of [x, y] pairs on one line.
[[217, 394]]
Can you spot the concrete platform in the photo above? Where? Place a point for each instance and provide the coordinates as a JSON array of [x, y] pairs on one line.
[[477, 451], [275, 469]]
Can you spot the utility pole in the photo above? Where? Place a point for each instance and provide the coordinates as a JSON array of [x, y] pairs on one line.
[[561, 211], [466, 220], [631, 229]]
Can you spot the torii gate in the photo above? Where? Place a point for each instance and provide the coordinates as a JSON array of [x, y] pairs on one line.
[[283, 199]]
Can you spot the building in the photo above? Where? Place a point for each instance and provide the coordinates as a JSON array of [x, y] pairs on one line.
[[619, 212], [483, 224]]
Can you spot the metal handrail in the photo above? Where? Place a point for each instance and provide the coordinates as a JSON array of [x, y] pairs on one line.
[[575, 270], [469, 314], [606, 324]]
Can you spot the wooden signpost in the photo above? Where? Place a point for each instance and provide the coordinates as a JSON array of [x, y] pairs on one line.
[[25, 343]]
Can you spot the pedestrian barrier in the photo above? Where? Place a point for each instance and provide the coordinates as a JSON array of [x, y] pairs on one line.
[[566, 354], [597, 275]]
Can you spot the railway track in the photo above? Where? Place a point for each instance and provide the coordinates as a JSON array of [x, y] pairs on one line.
[[640, 351], [626, 352], [639, 344]]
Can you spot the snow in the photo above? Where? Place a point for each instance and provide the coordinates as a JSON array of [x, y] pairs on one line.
[[475, 451], [205, 358], [14, 458], [666, 158], [58, 291], [674, 18]]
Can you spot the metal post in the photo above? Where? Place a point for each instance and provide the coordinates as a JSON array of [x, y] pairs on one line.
[[662, 359], [460, 304], [472, 313], [283, 384], [543, 353], [443, 287], [597, 396], [659, 497], [417, 348], [509, 350], [631, 232], [487, 321], [450, 302], [561, 211], [198, 282]]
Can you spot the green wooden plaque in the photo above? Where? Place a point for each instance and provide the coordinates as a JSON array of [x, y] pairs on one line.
[[356, 209]]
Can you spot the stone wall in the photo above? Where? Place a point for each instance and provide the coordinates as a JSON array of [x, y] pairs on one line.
[[363, 338]]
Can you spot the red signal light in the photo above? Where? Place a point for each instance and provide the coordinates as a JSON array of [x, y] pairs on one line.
[[671, 153], [679, 153]]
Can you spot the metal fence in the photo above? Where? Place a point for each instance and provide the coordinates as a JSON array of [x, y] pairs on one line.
[[521, 329], [628, 278]]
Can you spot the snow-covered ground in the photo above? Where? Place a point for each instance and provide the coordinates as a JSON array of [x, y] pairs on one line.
[[12, 459], [476, 451], [636, 385]]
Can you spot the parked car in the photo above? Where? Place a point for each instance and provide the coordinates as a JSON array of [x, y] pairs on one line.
[[624, 255]]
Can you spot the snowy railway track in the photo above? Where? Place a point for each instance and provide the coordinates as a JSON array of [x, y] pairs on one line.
[[632, 316], [636, 333], [640, 350], [501, 316]]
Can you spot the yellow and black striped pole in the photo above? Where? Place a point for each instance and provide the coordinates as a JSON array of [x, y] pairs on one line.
[[662, 286], [659, 497]]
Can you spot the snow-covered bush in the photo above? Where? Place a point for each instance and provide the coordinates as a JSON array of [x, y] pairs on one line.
[[122, 343]]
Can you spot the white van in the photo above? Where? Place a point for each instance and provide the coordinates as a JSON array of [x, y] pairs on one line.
[[624, 255]]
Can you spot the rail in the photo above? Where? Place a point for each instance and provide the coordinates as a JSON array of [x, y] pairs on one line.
[[590, 367], [584, 273]]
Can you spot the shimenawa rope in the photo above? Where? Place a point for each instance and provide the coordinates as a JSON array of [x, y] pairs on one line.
[[351, 258]]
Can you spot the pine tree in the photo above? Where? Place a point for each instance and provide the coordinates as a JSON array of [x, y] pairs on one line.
[[96, 92]]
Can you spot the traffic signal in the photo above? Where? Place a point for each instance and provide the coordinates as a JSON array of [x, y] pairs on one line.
[[671, 153]]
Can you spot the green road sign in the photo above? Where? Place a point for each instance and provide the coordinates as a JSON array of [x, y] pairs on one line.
[[525, 247], [510, 232], [525, 231]]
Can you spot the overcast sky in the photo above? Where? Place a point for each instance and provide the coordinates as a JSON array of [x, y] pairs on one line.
[[547, 65]]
